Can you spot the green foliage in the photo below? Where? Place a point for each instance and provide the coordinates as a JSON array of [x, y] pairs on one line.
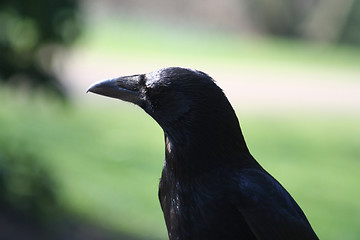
[[351, 31], [32, 33], [323, 21], [26, 185]]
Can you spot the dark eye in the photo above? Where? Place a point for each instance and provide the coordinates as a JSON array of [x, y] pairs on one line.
[[142, 80]]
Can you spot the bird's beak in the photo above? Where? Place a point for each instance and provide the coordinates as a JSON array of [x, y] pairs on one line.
[[124, 88]]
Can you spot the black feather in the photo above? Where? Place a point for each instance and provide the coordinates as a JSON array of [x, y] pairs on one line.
[[211, 187]]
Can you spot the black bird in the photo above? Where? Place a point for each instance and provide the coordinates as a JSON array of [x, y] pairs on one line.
[[211, 186]]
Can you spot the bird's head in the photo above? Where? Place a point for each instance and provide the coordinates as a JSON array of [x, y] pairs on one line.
[[168, 95], [186, 103]]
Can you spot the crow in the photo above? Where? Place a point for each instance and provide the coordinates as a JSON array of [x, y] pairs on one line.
[[211, 186]]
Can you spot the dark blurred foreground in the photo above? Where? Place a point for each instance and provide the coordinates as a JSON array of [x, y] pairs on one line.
[[16, 225]]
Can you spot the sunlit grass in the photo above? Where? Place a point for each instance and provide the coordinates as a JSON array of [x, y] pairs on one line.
[[107, 160], [317, 159], [140, 38]]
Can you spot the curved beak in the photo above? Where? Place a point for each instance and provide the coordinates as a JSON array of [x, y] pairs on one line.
[[123, 88]]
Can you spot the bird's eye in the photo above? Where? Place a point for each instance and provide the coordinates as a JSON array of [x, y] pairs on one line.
[[142, 80]]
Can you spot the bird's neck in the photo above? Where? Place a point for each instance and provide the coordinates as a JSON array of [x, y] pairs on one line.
[[189, 153], [208, 137]]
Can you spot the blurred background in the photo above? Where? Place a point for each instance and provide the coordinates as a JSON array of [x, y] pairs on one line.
[[80, 166]]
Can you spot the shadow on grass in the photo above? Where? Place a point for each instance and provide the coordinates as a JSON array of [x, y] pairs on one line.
[[15, 225]]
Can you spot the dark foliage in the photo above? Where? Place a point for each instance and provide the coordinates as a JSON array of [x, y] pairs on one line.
[[26, 184], [351, 31], [322, 21], [31, 34]]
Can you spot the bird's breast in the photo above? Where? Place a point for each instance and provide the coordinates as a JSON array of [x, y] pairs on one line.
[[198, 209]]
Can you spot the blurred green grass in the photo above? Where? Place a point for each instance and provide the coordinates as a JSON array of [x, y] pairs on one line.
[[107, 160], [189, 45]]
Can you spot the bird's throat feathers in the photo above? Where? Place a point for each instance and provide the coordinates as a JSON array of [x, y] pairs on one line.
[[189, 150]]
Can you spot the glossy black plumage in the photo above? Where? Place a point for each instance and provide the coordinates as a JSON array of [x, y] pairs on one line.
[[211, 187]]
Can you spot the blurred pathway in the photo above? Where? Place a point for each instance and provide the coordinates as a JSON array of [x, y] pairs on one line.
[[260, 88]]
